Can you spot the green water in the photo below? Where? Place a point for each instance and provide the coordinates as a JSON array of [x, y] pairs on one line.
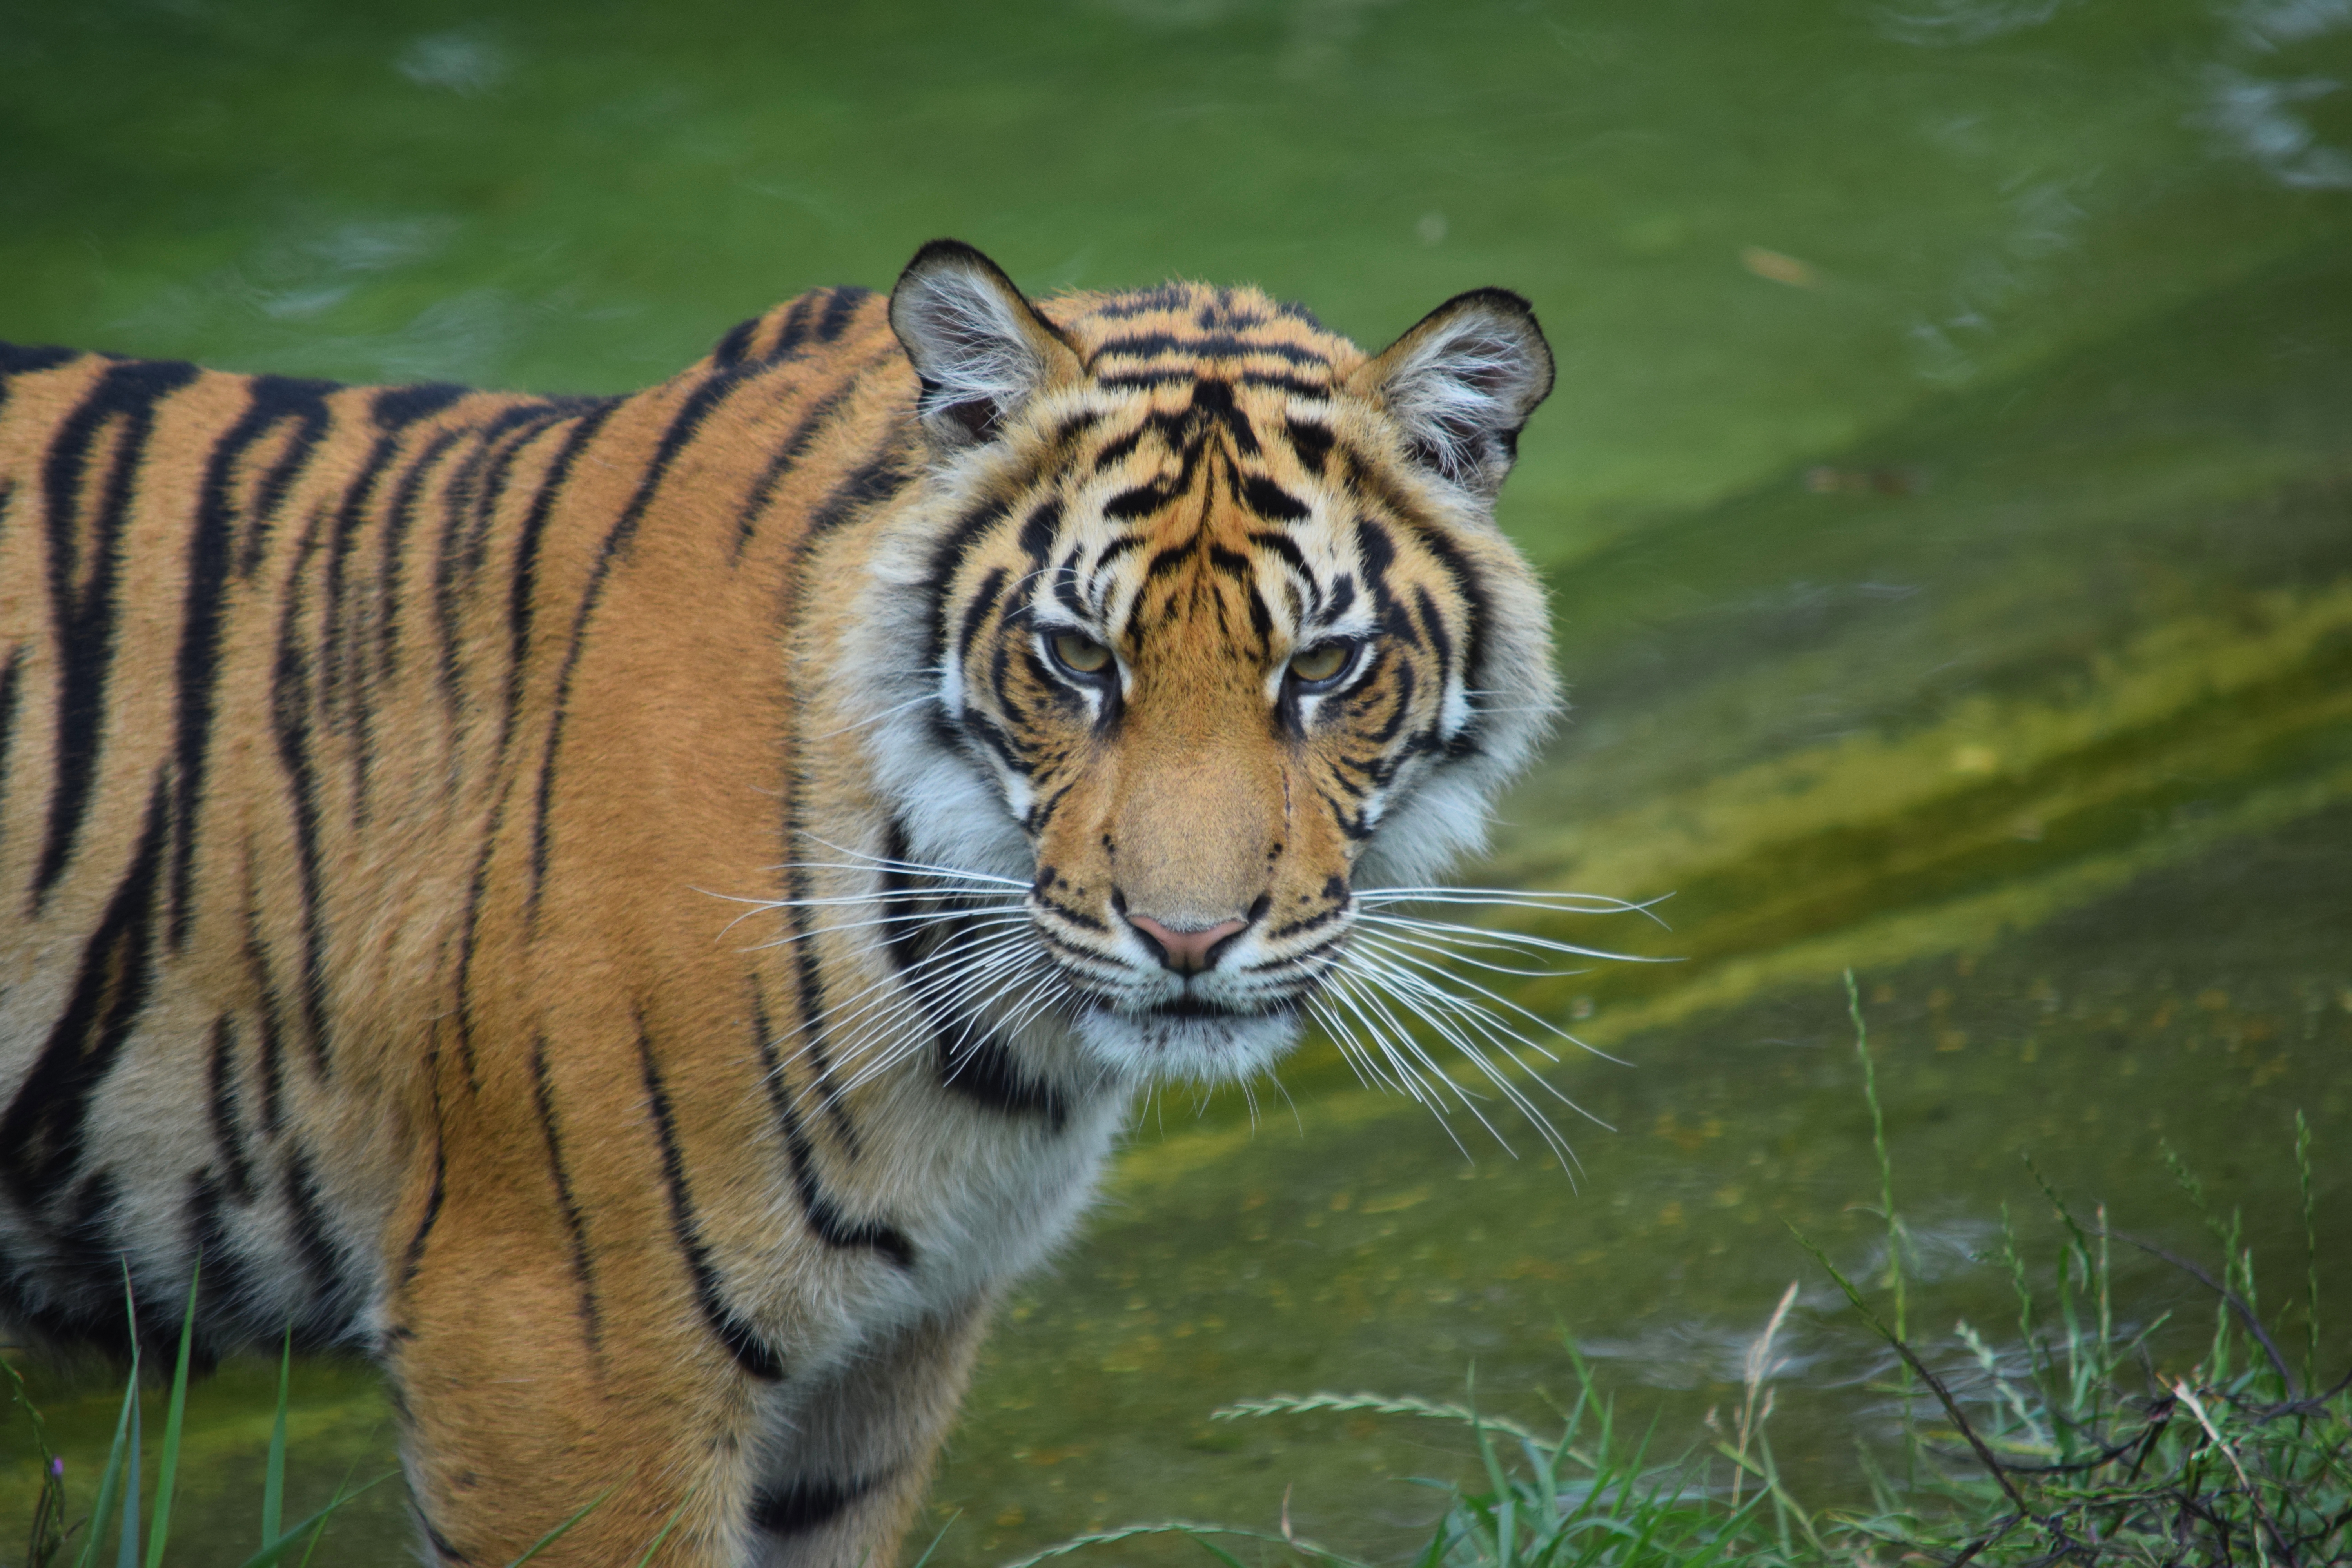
[[1947, 500]]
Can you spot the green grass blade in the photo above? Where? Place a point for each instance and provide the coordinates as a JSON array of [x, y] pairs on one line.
[[550, 1539], [1886, 1163], [273, 1473], [159, 1526], [1299, 1544], [1217, 1552], [942, 1535], [111, 1481], [663, 1534], [127, 1551], [277, 1550]]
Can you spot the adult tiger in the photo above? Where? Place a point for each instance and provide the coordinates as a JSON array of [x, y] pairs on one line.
[[370, 758]]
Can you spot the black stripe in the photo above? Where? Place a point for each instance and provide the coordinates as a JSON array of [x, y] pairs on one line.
[[1270, 501], [17, 359], [1141, 501], [1213, 400], [526, 423], [983, 1070], [1312, 440], [277, 398], [257, 959], [470, 503], [1329, 914], [808, 978], [1068, 584], [1145, 380], [819, 415], [83, 1302], [271, 402], [396, 408], [292, 699], [804, 1503], [1217, 346], [793, 330], [742, 1341], [735, 344], [220, 1079], [11, 674], [83, 615], [520, 600], [1314, 391], [878, 479], [839, 309], [1477, 611], [41, 1135], [222, 1280], [825, 1216], [392, 411], [684, 426], [1169, 559], [574, 1223], [1232, 563], [1281, 544], [1114, 453], [442, 1548], [413, 1257], [1432, 626], [947, 559], [376, 672], [975, 612], [320, 1264], [1143, 301], [1038, 530]]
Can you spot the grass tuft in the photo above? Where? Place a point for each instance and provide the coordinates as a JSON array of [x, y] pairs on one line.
[[2064, 1443]]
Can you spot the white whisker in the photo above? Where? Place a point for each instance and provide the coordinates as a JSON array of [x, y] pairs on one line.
[[877, 718], [1518, 939]]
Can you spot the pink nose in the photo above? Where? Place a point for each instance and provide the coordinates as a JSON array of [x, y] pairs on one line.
[[1185, 952]]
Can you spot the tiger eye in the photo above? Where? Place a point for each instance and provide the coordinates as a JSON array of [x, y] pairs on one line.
[[1321, 662], [1082, 654]]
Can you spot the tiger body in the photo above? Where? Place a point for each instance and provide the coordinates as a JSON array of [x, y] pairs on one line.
[[635, 911]]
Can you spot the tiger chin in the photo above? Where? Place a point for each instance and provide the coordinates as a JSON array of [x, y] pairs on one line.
[[645, 915]]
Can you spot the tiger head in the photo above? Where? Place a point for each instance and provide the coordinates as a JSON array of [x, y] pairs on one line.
[[1210, 626]]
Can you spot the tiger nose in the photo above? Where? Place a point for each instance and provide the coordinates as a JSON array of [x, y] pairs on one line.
[[1185, 952]]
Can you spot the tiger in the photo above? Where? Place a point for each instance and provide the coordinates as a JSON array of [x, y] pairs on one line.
[[643, 915]]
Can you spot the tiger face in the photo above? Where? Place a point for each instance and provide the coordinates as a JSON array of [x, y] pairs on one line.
[[1212, 626]]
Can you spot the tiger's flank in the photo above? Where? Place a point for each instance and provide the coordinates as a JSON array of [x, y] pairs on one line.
[[643, 914]]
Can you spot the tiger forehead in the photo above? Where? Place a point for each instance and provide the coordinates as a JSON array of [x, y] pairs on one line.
[[1183, 331]]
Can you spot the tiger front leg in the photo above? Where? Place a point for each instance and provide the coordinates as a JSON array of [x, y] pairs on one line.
[[521, 1403], [841, 1476]]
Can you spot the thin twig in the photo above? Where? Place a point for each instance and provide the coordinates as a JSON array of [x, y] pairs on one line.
[[2237, 1304], [1911, 1359]]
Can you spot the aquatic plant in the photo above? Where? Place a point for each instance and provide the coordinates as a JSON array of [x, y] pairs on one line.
[[2067, 1443]]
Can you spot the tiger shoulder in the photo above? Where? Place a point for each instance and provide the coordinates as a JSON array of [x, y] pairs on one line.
[[645, 915]]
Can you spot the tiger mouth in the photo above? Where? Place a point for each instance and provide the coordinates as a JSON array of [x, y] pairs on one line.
[[1203, 1009], [1189, 1007]]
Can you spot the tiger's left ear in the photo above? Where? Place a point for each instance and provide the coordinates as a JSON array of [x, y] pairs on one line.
[[979, 347], [1462, 383]]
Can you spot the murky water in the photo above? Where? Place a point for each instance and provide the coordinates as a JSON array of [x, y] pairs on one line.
[[1948, 500]]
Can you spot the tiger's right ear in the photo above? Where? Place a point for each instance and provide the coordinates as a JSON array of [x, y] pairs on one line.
[[979, 347]]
